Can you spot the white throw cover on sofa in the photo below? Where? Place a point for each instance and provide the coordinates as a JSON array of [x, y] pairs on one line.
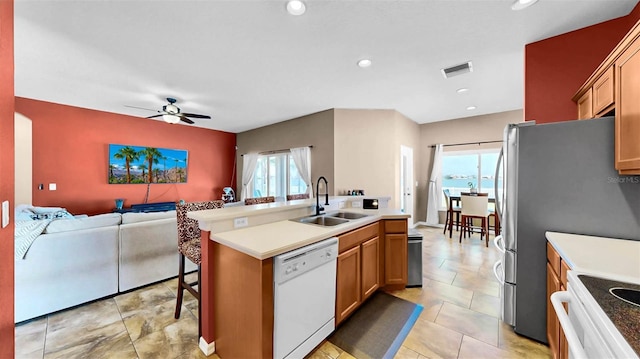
[[74, 224]]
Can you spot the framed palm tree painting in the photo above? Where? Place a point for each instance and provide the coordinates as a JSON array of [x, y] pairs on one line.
[[137, 164]]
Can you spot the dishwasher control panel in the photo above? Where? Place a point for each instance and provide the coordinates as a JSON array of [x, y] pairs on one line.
[[291, 264]]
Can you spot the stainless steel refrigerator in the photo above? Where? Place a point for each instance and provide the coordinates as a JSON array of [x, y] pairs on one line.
[[556, 177]]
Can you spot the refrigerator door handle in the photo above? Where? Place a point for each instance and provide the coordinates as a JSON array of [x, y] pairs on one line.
[[499, 277], [495, 184], [499, 243]]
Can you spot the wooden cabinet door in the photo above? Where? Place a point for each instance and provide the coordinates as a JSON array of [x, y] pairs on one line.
[[348, 283], [585, 109], [395, 259], [553, 325], [370, 251], [627, 130]]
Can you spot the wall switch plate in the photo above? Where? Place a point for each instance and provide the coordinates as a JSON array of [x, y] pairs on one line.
[[356, 204], [52, 186], [240, 222], [5, 214]]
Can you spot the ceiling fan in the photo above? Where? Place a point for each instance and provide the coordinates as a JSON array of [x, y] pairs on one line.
[[170, 113]]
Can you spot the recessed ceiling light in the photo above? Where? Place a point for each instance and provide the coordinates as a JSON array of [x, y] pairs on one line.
[[522, 4], [462, 90], [296, 7], [364, 63], [471, 108]]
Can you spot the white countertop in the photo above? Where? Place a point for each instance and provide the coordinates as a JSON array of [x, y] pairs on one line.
[[605, 257], [269, 240], [282, 235]]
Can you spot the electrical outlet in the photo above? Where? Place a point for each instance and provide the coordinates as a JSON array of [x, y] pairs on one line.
[[240, 222], [5, 214], [52, 187], [356, 204]]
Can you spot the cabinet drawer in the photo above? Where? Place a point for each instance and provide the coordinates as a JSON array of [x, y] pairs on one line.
[[602, 93], [395, 226], [357, 236], [554, 259]]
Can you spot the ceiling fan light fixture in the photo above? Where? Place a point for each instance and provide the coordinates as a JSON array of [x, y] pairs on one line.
[[522, 4], [296, 7], [364, 63], [171, 109], [173, 119]]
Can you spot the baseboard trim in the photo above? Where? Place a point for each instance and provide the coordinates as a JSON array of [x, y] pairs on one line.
[[422, 223], [207, 348]]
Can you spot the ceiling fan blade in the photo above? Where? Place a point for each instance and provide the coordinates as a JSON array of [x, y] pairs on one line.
[[195, 115], [154, 116], [141, 108], [184, 119]]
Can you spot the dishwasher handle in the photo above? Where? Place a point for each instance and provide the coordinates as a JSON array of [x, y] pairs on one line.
[[575, 346]]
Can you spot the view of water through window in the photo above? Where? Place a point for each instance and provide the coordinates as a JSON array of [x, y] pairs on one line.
[[462, 170]]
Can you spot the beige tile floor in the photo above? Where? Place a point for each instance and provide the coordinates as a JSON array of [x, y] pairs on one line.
[[459, 320]]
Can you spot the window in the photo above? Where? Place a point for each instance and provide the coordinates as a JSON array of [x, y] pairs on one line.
[[276, 175], [459, 168]]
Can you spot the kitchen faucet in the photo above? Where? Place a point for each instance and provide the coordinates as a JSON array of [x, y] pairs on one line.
[[319, 208]]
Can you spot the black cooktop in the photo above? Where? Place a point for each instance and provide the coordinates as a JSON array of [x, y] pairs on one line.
[[625, 316]]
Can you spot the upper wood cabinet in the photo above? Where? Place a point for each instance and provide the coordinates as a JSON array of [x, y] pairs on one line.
[[585, 105], [598, 99], [603, 99], [615, 84], [627, 132]]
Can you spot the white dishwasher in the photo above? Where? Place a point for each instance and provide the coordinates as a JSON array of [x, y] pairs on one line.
[[304, 298]]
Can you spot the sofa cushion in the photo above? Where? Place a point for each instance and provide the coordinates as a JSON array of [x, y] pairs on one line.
[[134, 217], [74, 224]]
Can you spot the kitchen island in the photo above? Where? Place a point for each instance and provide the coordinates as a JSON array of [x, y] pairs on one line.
[[238, 247]]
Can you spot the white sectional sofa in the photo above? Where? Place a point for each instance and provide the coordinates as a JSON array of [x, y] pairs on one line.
[[78, 260]]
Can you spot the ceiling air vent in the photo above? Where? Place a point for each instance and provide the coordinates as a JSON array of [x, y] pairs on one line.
[[457, 70]]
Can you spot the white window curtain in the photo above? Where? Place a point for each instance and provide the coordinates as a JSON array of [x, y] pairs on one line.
[[435, 187], [302, 158], [249, 164]]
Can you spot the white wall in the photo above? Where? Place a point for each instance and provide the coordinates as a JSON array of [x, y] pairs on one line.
[[23, 160]]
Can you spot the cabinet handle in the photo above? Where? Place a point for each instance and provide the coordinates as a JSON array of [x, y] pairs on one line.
[[575, 346]]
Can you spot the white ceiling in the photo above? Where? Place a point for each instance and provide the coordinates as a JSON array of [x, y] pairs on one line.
[[250, 63]]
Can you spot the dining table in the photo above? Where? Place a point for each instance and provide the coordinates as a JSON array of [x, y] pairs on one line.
[[456, 198]]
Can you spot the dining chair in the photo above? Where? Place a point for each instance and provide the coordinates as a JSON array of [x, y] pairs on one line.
[[189, 247], [451, 210], [474, 207], [496, 221], [291, 197], [258, 200]]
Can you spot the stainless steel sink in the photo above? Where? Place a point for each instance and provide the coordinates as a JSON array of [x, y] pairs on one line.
[[626, 294], [347, 215], [321, 220]]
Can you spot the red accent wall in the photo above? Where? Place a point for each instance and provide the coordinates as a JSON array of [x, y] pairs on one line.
[[7, 181], [556, 67], [71, 149]]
